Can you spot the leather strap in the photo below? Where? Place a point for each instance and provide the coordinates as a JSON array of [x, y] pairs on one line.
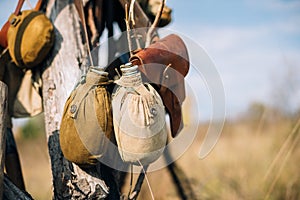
[[19, 7]]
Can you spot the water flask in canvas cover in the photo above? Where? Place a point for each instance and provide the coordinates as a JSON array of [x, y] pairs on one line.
[[138, 118]]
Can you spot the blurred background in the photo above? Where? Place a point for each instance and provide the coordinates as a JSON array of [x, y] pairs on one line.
[[255, 46]]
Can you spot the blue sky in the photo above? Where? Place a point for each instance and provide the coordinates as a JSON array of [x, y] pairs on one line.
[[252, 43]]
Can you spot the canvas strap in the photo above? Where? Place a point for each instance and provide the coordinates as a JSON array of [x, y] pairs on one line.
[[92, 79]]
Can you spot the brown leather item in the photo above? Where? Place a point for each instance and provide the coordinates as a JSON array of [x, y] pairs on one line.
[[165, 64], [3, 35]]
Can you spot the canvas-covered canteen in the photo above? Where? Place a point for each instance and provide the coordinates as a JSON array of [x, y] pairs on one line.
[[165, 63], [86, 126], [138, 118], [4, 29], [29, 37]]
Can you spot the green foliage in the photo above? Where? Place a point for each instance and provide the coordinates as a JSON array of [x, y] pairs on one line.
[[34, 128]]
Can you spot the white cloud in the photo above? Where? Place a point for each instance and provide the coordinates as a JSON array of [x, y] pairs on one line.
[[289, 26], [249, 53], [226, 38], [247, 59]]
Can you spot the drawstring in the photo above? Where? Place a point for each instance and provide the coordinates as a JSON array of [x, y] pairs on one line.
[[132, 195], [148, 183], [29, 4]]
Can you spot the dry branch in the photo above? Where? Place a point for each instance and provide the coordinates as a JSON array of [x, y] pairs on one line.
[[155, 23]]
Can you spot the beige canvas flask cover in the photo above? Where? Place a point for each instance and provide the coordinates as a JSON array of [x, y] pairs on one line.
[[24, 94], [86, 127], [138, 118], [28, 102]]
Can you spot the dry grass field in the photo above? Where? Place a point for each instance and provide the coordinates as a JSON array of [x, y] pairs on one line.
[[252, 160]]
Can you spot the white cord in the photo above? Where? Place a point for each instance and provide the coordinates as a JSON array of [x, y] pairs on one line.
[[152, 196], [29, 4]]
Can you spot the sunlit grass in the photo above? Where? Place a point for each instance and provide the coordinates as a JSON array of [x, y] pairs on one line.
[[239, 167]]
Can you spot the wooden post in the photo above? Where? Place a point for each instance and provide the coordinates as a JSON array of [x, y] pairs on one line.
[[13, 192], [3, 114], [60, 77], [69, 181]]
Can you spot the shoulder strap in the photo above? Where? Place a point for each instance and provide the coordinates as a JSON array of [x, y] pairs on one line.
[[19, 7], [38, 5]]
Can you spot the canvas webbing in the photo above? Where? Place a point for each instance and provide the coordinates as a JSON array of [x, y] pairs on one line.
[[92, 80]]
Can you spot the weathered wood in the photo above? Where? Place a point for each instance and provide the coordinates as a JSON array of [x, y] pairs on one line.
[[13, 192], [3, 114], [69, 181]]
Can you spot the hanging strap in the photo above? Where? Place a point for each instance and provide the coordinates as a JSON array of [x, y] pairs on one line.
[[38, 5], [19, 7]]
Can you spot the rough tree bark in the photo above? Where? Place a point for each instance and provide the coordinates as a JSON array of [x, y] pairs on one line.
[[3, 110], [59, 78]]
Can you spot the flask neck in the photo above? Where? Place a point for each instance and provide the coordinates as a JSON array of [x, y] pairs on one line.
[[96, 75], [131, 76]]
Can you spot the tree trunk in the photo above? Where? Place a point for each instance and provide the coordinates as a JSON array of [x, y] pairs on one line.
[[69, 181], [64, 68], [3, 114]]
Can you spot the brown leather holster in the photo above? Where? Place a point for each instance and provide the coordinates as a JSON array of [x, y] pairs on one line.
[[164, 64]]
